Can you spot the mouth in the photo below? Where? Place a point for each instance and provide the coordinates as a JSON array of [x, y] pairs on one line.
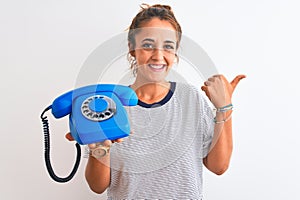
[[157, 67]]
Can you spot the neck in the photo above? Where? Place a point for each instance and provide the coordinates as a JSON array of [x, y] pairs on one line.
[[151, 92]]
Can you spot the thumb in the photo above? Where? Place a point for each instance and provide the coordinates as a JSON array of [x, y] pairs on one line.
[[236, 80]]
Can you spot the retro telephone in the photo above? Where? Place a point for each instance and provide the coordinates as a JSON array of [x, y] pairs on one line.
[[96, 113]]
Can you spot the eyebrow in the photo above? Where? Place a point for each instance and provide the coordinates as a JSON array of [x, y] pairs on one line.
[[152, 40], [169, 41], [147, 40]]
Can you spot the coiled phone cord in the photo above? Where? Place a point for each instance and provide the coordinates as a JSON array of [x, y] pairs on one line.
[[47, 152]]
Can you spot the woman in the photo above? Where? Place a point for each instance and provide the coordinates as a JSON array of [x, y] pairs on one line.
[[173, 125]]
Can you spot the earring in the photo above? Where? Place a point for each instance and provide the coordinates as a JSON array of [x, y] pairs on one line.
[[135, 68], [132, 63]]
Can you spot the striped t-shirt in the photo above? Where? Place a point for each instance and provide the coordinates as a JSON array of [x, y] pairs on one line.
[[162, 158]]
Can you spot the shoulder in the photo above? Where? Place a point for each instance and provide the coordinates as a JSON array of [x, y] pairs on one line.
[[184, 88], [189, 92]]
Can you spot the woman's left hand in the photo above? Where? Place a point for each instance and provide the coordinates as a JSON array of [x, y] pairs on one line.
[[219, 90]]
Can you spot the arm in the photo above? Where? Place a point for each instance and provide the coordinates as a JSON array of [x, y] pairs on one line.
[[220, 91], [97, 173], [218, 158]]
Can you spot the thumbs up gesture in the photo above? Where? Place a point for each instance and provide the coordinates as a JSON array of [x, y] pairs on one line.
[[219, 90]]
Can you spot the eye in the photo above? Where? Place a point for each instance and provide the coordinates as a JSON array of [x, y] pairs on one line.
[[169, 47], [148, 46]]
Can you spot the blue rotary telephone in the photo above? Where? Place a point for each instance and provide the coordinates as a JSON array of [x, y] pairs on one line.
[[96, 113]]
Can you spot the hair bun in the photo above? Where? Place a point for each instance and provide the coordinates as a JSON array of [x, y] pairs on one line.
[[147, 6], [162, 6]]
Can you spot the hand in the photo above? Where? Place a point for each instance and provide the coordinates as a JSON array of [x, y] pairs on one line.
[[94, 145], [70, 138], [99, 149], [219, 90]]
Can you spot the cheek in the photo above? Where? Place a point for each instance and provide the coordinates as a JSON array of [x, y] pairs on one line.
[[171, 59], [142, 57]]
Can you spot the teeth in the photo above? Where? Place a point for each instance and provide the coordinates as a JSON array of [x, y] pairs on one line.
[[157, 66]]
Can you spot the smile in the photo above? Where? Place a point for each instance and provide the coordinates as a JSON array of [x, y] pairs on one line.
[[157, 67]]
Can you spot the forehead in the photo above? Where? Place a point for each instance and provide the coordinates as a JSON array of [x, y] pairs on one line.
[[155, 33]]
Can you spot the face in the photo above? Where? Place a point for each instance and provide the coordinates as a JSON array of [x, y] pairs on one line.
[[155, 50]]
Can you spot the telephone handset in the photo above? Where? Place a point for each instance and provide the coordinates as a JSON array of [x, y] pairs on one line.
[[96, 113]]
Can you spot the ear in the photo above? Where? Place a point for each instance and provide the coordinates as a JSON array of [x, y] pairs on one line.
[[176, 59], [131, 49], [132, 53]]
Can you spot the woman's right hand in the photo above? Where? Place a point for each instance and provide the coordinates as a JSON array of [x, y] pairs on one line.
[[70, 138], [99, 149], [106, 143]]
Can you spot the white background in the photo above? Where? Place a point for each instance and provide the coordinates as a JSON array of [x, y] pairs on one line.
[[44, 43]]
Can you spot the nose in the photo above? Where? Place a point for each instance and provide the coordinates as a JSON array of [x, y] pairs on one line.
[[158, 54]]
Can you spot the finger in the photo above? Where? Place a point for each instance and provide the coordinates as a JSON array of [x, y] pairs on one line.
[[207, 83], [236, 80], [117, 140], [121, 139], [212, 79], [92, 146], [69, 137], [217, 75], [107, 143], [205, 89]]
